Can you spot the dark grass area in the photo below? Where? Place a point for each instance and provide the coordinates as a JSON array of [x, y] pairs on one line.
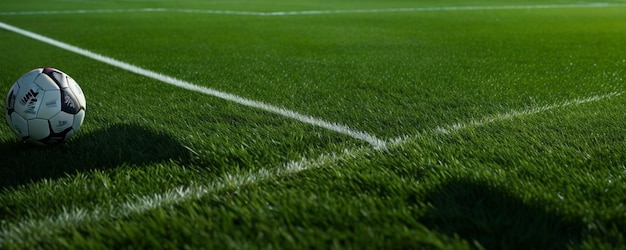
[[99, 150], [496, 219]]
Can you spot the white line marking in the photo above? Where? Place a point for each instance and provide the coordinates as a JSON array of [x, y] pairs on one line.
[[339, 128], [62, 12], [419, 9], [518, 113], [31, 231], [318, 12]]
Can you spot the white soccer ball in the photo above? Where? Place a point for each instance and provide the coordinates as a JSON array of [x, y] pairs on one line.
[[45, 106]]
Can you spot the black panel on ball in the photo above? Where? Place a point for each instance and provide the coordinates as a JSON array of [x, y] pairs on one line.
[[11, 103], [69, 103], [50, 73]]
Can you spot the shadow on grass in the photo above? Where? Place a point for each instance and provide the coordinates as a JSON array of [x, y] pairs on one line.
[[495, 219], [114, 146]]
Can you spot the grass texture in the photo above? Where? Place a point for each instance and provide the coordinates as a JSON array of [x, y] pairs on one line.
[[503, 124]]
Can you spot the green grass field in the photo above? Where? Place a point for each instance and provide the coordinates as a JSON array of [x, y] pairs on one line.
[[418, 124]]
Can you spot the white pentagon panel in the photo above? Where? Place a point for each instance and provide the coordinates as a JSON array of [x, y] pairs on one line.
[[50, 104], [78, 92], [45, 82], [28, 100], [18, 124], [38, 129], [61, 122], [78, 119], [29, 77]]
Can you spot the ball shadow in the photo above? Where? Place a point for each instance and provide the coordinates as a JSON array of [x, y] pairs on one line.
[[120, 144], [495, 219]]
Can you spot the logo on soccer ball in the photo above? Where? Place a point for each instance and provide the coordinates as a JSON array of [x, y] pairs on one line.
[[30, 100], [51, 104], [69, 102], [30, 97], [61, 123]]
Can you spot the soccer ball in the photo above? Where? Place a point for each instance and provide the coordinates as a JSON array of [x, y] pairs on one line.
[[45, 106]]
